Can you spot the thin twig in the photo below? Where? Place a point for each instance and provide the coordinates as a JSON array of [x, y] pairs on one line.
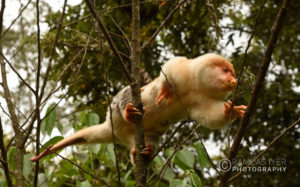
[[107, 10], [93, 176], [258, 86], [112, 128], [109, 40], [243, 63], [4, 157], [168, 139], [213, 14], [84, 34], [53, 49], [48, 67], [37, 96], [163, 24], [127, 43], [14, 21], [264, 151], [140, 172], [207, 155], [17, 73], [162, 171]]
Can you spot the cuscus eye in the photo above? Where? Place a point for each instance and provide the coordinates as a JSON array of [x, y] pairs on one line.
[[225, 69]]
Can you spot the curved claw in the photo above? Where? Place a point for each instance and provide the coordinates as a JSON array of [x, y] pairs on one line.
[[238, 111], [147, 153], [131, 112]]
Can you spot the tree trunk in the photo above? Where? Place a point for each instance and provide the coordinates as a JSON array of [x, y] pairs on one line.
[[141, 166]]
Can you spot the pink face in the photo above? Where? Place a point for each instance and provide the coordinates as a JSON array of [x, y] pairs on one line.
[[226, 78]]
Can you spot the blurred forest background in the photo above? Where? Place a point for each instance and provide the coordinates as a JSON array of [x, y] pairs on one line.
[[75, 89]]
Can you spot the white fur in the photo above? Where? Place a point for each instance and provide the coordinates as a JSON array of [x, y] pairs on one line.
[[195, 82]]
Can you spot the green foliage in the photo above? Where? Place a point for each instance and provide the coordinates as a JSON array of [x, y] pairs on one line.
[[49, 120], [10, 157], [27, 166], [189, 33], [202, 156], [184, 159]]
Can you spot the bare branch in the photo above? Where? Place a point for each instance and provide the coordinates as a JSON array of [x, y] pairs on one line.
[[17, 73], [163, 170], [259, 83], [141, 166], [73, 163], [162, 24], [213, 14], [264, 151], [4, 157], [211, 162], [7, 95], [37, 96], [243, 64], [14, 21], [112, 128], [53, 49], [109, 40], [126, 40]]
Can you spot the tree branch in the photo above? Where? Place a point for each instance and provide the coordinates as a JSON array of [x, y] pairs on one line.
[[141, 166], [7, 95], [14, 21], [4, 157], [264, 151], [37, 96], [243, 63], [109, 40], [177, 148], [162, 24], [53, 49], [259, 83]]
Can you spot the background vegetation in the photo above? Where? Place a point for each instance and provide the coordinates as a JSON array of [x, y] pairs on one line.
[[77, 89]]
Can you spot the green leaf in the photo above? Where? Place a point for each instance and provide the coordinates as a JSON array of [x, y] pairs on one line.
[[169, 151], [60, 127], [157, 164], [92, 119], [184, 159], [49, 121], [77, 126], [169, 174], [95, 148], [3, 182], [83, 157], [10, 157], [82, 117], [202, 156], [195, 180], [43, 180], [86, 184], [176, 183], [27, 166], [111, 153]]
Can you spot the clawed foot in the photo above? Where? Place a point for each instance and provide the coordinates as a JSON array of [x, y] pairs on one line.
[[238, 111], [164, 93], [131, 112], [147, 153]]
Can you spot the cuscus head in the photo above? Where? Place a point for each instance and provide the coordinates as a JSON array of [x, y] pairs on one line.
[[213, 73]]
